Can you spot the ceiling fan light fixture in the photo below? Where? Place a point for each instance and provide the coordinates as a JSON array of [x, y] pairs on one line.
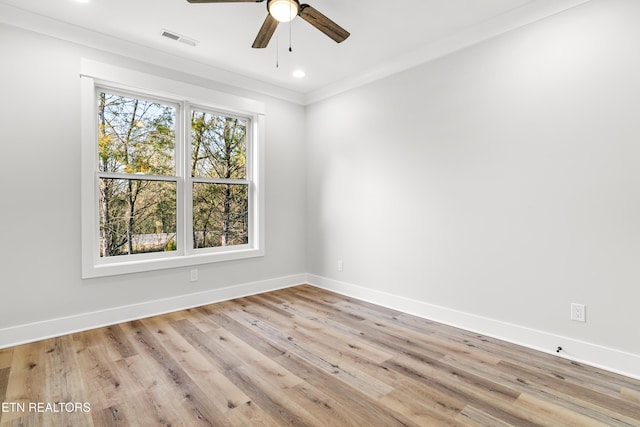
[[283, 10]]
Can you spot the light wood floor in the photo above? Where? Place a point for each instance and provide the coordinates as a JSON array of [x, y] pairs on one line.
[[302, 356]]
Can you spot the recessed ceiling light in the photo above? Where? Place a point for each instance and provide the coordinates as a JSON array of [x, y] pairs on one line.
[[298, 74], [82, 1]]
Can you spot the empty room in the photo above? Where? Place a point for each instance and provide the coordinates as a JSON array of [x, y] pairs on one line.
[[333, 213]]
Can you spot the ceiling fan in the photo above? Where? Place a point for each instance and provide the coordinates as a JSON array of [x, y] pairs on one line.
[[285, 11]]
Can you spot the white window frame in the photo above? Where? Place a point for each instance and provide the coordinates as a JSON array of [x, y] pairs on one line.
[[97, 76]]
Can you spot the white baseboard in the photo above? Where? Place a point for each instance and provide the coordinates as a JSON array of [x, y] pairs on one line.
[[31, 332], [613, 360]]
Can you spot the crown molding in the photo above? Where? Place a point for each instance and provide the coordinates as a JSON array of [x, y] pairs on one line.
[[519, 17], [529, 13], [26, 20]]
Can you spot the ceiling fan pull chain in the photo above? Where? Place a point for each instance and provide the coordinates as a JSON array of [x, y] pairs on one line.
[[285, 11], [277, 51]]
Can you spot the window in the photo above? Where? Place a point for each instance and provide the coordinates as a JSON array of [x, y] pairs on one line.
[[136, 178], [220, 189], [168, 181]]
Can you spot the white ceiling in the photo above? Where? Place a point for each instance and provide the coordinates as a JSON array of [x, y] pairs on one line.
[[386, 35]]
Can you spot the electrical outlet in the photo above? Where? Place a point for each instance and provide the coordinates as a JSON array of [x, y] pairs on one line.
[[194, 275], [340, 265], [578, 312]]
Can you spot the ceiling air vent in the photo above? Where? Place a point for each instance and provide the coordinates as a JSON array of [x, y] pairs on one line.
[[178, 37]]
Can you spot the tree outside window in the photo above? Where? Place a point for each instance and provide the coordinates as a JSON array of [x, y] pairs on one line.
[[138, 177]]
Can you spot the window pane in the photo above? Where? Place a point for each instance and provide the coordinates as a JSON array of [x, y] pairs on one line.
[[220, 215], [135, 135], [218, 146], [137, 216]]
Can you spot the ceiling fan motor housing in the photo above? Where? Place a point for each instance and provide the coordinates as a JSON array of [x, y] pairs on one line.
[[283, 10]]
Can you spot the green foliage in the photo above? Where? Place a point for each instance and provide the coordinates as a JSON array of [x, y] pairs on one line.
[[220, 214], [171, 246], [137, 137], [218, 146], [220, 211]]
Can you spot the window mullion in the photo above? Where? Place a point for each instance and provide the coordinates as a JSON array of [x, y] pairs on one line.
[[221, 181], [140, 177], [233, 199], [187, 205]]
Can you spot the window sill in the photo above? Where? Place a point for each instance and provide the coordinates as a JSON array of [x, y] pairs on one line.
[[142, 265]]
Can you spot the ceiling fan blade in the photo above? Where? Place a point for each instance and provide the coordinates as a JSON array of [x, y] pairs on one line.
[[324, 24], [225, 1], [266, 31]]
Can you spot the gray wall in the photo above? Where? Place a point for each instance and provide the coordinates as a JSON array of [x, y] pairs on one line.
[[40, 195], [500, 181]]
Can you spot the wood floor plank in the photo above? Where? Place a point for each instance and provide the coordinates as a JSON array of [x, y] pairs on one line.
[[125, 392], [102, 377], [153, 398], [381, 331], [118, 343], [250, 414], [378, 333], [200, 317], [492, 397], [248, 334], [269, 401], [361, 409], [630, 395], [303, 356], [220, 392], [561, 400], [4, 383], [606, 382], [6, 354], [209, 344], [27, 382], [474, 417], [326, 410], [64, 383], [582, 392], [198, 409], [326, 336], [547, 413], [423, 406], [358, 379], [110, 417]]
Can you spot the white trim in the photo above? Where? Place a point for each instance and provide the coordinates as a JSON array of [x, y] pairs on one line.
[[160, 87], [88, 184], [486, 30], [183, 95], [610, 359], [592, 354], [531, 12], [21, 334], [222, 78]]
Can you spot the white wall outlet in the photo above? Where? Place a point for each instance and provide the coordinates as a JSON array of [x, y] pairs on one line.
[[578, 312], [340, 265], [194, 275]]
